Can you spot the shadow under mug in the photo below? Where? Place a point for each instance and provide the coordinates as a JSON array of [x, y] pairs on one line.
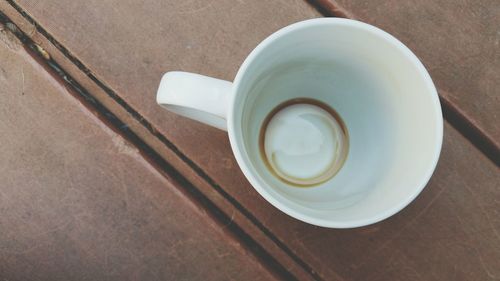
[[380, 89]]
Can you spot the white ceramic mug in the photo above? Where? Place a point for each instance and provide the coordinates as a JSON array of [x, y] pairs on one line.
[[377, 85]]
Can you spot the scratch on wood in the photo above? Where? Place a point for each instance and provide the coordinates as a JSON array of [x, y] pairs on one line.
[[485, 268], [33, 30], [124, 188], [483, 211], [34, 247], [3, 74], [230, 221], [400, 232], [194, 11], [481, 261], [55, 228], [9, 39], [123, 146], [22, 81]]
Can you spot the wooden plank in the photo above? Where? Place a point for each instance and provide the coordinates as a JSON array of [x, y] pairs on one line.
[[237, 217], [458, 42], [428, 240], [79, 203], [281, 254]]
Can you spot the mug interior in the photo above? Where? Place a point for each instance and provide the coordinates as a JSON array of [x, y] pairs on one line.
[[384, 96]]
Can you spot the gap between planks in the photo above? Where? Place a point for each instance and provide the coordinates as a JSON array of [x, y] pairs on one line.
[[149, 153]]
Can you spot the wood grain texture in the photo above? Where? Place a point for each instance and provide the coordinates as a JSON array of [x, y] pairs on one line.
[[175, 159], [458, 42], [449, 232], [79, 203]]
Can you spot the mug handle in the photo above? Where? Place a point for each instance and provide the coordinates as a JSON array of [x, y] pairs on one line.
[[195, 96]]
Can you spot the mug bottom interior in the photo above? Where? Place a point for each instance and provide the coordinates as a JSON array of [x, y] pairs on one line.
[[381, 92], [303, 142]]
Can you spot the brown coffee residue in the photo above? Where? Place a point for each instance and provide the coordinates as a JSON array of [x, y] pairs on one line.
[[288, 103]]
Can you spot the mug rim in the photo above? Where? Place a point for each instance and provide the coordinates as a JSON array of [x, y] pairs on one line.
[[237, 145]]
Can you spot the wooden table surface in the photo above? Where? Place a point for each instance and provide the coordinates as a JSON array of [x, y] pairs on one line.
[[100, 183]]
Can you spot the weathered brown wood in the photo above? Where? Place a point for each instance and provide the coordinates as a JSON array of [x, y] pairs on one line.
[[290, 263], [237, 216], [458, 42], [79, 203], [449, 232]]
